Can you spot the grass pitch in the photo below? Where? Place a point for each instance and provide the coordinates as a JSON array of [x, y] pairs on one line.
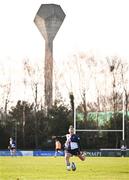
[[51, 168]]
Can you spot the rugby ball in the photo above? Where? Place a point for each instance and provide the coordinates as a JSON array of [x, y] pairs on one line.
[[73, 166]]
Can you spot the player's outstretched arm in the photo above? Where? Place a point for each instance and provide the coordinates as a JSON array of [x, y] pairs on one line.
[[54, 137]]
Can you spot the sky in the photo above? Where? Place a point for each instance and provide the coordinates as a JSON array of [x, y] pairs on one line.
[[89, 24], [99, 26]]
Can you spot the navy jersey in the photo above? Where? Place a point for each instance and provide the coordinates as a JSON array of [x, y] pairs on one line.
[[75, 138], [72, 142], [12, 144]]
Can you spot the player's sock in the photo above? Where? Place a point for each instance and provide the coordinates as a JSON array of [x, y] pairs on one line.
[[68, 167]]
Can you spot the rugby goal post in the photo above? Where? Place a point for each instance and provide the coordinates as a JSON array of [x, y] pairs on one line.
[[103, 130]]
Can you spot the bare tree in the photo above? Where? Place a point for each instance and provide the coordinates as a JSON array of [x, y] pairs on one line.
[[114, 68], [5, 89], [33, 74]]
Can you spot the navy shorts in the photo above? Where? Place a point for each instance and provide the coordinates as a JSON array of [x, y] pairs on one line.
[[74, 152]]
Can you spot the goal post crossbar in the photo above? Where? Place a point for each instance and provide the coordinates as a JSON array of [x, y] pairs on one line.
[[97, 130]]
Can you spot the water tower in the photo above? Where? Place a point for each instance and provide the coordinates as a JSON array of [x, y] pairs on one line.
[[48, 20]]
